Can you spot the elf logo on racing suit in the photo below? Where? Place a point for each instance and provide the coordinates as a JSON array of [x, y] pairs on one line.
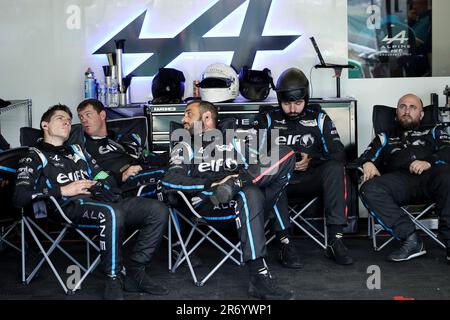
[[72, 176], [106, 149], [288, 140], [307, 141], [216, 165], [280, 121]]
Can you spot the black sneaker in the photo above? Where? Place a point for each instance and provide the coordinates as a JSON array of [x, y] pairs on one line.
[[195, 259], [289, 257], [262, 287], [138, 281], [113, 289], [337, 251], [412, 247]]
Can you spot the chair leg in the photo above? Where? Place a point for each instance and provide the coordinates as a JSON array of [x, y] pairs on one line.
[[4, 234], [46, 257], [419, 224], [22, 243], [205, 236], [318, 234], [374, 232], [183, 247], [71, 258]]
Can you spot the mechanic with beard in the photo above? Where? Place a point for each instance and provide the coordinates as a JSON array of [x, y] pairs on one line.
[[320, 158], [122, 154], [204, 177], [414, 162]]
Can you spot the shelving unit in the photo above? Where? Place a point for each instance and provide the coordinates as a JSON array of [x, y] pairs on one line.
[[15, 104]]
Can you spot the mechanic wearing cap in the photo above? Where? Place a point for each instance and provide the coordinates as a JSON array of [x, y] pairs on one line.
[[319, 169]]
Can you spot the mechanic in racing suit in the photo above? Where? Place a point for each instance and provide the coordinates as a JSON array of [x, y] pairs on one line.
[[413, 160], [226, 186], [88, 197], [320, 156], [123, 155]]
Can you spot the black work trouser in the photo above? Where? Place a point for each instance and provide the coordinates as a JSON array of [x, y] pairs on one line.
[[148, 215], [273, 178], [329, 180], [384, 195]]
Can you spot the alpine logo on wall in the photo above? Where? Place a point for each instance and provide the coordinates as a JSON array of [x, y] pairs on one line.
[[191, 38], [389, 38]]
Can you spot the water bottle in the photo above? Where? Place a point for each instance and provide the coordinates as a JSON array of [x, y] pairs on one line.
[[90, 91], [101, 93], [113, 94]]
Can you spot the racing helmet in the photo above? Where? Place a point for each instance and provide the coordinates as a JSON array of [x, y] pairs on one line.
[[255, 85], [168, 86], [219, 83], [292, 85]]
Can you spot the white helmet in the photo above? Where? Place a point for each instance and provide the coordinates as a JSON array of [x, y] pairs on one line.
[[219, 83]]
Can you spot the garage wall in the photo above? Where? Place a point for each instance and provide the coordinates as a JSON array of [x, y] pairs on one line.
[[47, 45]]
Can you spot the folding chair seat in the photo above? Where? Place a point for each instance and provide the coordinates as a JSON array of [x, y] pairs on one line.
[[421, 214], [198, 225], [56, 215]]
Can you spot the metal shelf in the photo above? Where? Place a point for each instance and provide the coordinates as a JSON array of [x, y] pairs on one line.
[[15, 104]]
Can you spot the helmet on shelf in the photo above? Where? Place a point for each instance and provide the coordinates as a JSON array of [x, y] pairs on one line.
[[168, 86], [219, 83], [255, 85]]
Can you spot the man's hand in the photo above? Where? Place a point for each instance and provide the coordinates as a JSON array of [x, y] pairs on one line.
[[214, 184], [131, 171], [419, 166], [77, 187], [303, 164], [370, 171]]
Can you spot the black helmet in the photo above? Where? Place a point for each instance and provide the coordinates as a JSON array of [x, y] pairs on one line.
[[168, 86], [255, 85], [292, 85]]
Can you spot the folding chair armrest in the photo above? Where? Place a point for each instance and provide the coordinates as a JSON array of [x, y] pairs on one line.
[[188, 203], [52, 200]]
